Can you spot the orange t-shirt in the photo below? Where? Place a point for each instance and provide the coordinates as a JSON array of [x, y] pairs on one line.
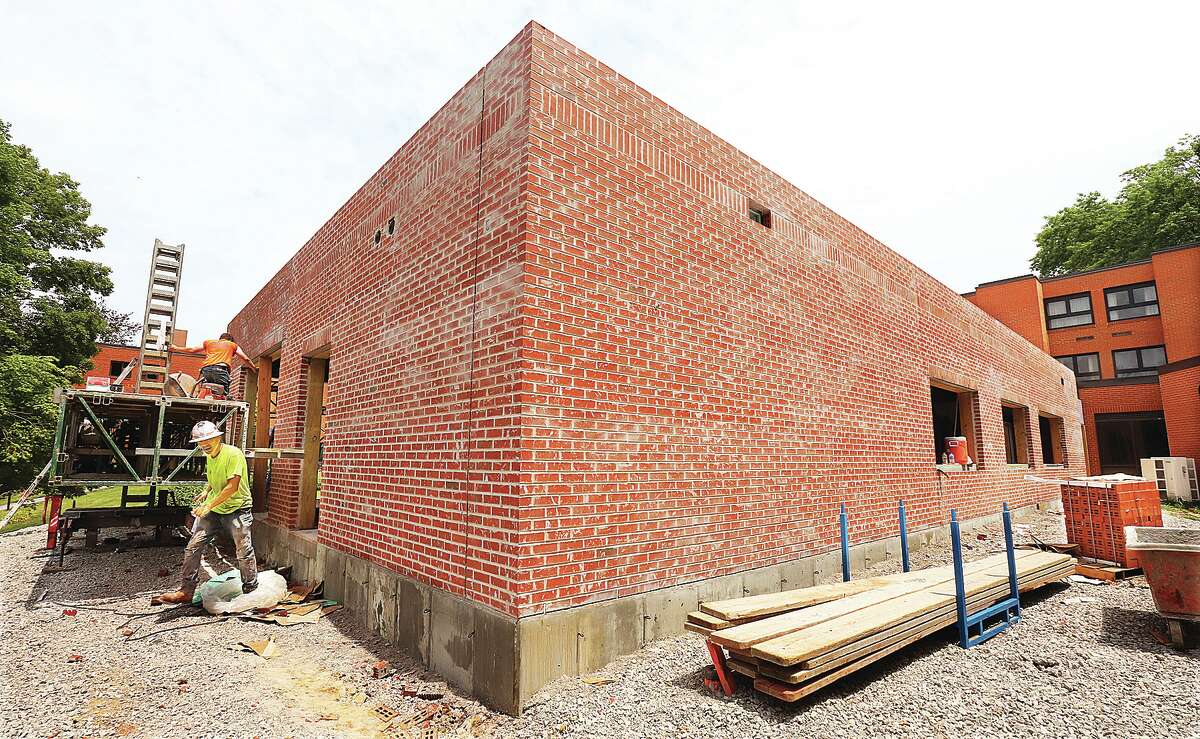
[[218, 351]]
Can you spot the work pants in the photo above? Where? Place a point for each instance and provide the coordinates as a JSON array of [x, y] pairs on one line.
[[237, 525]]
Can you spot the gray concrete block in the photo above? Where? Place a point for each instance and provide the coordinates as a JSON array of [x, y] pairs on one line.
[[451, 638], [607, 631], [495, 660], [719, 588], [549, 646], [381, 595], [665, 611], [875, 552], [796, 574], [412, 619], [762, 580], [354, 593], [335, 575]]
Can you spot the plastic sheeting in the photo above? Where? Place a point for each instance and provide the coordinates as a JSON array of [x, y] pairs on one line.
[[223, 594]]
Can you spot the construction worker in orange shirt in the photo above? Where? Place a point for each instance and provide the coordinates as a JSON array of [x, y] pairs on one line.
[[218, 359]]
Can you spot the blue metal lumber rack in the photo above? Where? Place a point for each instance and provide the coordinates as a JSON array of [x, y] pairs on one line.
[[1009, 609]]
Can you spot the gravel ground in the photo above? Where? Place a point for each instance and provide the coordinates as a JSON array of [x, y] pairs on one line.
[[1070, 669]]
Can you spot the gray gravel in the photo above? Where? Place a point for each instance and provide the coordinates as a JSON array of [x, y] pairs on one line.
[[1070, 669]]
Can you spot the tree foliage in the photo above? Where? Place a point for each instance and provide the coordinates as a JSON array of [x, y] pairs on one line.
[[52, 307], [28, 415], [1158, 206], [51, 299]]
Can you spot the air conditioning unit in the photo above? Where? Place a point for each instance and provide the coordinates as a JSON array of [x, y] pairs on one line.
[[1175, 477]]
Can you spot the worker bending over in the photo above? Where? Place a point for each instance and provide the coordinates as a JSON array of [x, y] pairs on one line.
[[218, 359], [224, 505]]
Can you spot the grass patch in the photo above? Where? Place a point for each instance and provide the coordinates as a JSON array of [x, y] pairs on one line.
[[106, 497], [1181, 510]]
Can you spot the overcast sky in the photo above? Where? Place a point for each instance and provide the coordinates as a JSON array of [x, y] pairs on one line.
[[948, 131]]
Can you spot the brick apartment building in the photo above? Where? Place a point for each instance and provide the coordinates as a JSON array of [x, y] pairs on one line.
[[1131, 334], [580, 363], [112, 359]]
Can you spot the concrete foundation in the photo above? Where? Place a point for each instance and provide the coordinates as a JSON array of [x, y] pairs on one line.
[[503, 660]]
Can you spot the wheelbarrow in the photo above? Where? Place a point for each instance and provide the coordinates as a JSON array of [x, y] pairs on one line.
[[1171, 560]]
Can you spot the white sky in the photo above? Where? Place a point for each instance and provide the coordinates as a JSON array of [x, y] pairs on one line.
[[946, 130]]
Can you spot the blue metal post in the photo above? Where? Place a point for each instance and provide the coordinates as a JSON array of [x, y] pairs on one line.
[[903, 537], [845, 545], [1015, 592], [960, 589]]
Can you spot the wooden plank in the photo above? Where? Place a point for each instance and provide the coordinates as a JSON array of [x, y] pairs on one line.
[[697, 629], [791, 693], [306, 514], [772, 627], [801, 645], [262, 430], [910, 631], [709, 622], [771, 603], [749, 669]]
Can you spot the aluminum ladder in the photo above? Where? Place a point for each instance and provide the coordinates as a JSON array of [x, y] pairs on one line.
[[162, 298]]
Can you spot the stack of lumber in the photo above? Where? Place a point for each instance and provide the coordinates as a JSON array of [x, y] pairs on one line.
[[796, 642]]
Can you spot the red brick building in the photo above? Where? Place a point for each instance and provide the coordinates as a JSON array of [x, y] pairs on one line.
[[584, 364], [111, 359], [1131, 333]]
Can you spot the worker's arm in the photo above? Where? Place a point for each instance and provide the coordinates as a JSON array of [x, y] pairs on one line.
[[188, 349], [200, 498], [231, 487], [242, 354]]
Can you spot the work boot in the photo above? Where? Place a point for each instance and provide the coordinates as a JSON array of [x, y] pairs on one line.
[[179, 596]]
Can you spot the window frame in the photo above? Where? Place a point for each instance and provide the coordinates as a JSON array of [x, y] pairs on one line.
[[113, 362], [967, 412], [1142, 368], [1108, 309], [1017, 447], [1057, 439], [1091, 311], [1074, 364]]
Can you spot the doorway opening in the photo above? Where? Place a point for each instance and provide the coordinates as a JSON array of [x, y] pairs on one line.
[[1127, 438], [315, 397]]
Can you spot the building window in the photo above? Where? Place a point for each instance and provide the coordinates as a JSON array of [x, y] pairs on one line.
[[1016, 434], [1054, 440], [1131, 301], [1142, 362], [1069, 310], [115, 368], [1085, 366], [954, 414]]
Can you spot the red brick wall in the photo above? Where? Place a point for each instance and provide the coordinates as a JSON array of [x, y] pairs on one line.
[[704, 392], [1177, 273], [108, 353], [419, 472], [1181, 408], [1016, 303], [609, 380]]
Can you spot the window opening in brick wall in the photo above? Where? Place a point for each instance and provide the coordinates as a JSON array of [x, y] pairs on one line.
[[315, 399], [1124, 439], [1085, 366], [1053, 438], [1131, 301], [116, 367], [760, 215], [1143, 362], [954, 413], [1016, 433], [1069, 310]]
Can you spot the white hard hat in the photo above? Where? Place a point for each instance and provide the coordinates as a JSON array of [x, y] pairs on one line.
[[205, 430]]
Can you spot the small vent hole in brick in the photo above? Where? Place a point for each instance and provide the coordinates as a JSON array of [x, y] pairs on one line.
[[391, 226], [378, 237], [760, 214]]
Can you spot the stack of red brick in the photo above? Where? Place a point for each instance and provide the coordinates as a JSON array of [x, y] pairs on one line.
[[1096, 512]]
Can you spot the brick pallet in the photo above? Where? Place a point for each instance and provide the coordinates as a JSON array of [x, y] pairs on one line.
[[793, 644], [1096, 511]]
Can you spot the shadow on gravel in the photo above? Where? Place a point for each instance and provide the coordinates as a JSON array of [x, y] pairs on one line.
[[1133, 630]]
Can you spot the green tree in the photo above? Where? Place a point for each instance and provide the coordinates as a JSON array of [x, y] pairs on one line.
[[28, 415], [51, 301], [1158, 206], [52, 306]]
